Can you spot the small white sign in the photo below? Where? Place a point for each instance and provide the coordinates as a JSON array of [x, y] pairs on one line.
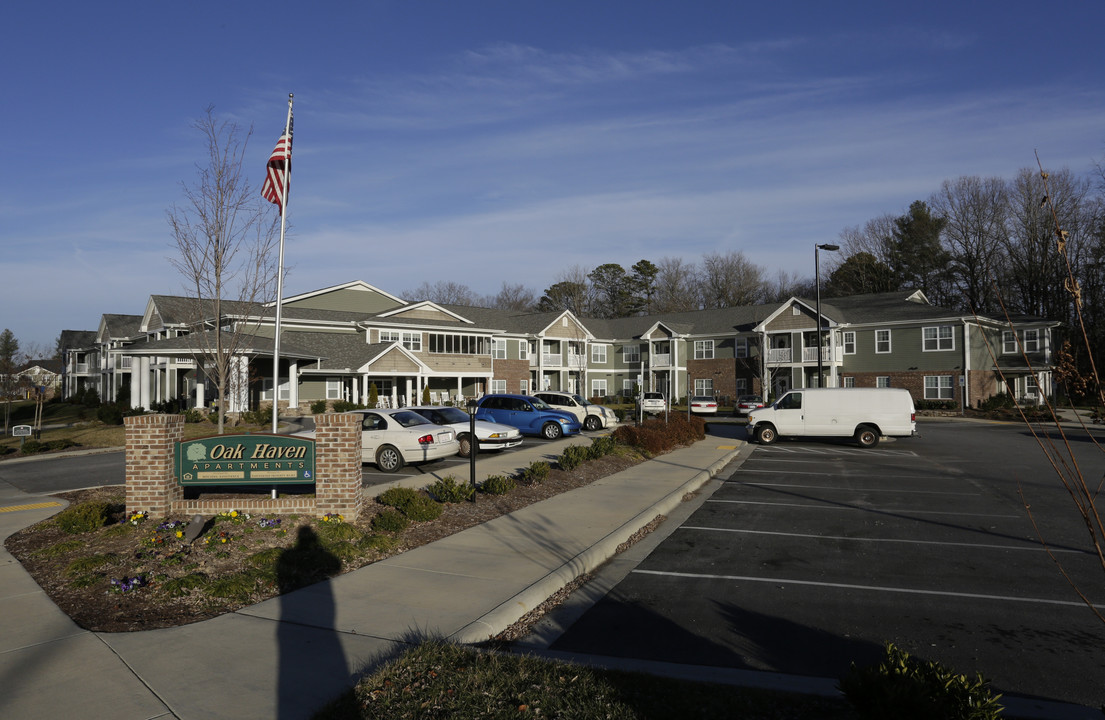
[[22, 431]]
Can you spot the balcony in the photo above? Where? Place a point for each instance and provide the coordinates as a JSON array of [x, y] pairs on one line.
[[776, 356], [661, 360], [552, 361]]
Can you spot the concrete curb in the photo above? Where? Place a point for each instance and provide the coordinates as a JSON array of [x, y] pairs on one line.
[[515, 608]]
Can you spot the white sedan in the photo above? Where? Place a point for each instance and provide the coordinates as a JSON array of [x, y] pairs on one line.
[[392, 438], [489, 435], [704, 404]]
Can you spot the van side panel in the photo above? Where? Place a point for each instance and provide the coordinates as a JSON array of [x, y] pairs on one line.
[[839, 412]]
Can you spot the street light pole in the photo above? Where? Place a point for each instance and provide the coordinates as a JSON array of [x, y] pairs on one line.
[[817, 281]]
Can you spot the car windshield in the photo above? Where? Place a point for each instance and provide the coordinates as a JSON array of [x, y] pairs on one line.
[[579, 399], [407, 418], [539, 403], [452, 414]]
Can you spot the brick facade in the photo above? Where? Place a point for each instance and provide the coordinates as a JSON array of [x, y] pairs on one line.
[[151, 484], [722, 372]]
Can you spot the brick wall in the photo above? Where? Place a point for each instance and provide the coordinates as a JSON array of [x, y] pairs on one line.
[[514, 372], [338, 464], [722, 372], [150, 478]]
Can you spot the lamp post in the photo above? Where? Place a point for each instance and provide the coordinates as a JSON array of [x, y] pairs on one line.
[[473, 445], [817, 281]]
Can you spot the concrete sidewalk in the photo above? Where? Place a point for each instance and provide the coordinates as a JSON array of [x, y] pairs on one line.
[[285, 657]]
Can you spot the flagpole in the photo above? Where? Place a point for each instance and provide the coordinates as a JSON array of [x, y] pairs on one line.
[[280, 273]]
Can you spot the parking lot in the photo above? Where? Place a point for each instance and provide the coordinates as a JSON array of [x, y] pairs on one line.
[[812, 555]]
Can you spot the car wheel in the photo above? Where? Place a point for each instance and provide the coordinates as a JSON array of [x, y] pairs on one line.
[[552, 430], [765, 435], [389, 459], [867, 436], [592, 423], [465, 446]]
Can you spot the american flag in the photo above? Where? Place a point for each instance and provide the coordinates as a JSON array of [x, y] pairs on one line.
[[273, 189]]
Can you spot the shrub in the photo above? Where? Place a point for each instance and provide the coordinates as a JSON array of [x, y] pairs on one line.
[[84, 517], [1000, 401], [498, 485], [194, 415], [422, 509], [390, 521], [60, 444], [536, 473], [448, 490], [110, 414], [91, 398], [341, 406], [573, 456], [906, 688], [396, 497], [602, 446], [261, 416], [32, 446], [318, 407], [655, 437]]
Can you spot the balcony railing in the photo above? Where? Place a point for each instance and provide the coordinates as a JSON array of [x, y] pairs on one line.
[[661, 360], [778, 355], [810, 355], [551, 361]]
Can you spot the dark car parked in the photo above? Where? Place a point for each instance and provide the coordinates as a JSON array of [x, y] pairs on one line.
[[530, 415]]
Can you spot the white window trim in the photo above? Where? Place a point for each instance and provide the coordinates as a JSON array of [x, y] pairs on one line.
[[598, 388], [845, 342], [889, 345], [631, 353], [703, 349], [742, 347], [498, 348], [882, 381], [334, 389], [1008, 342], [943, 382], [598, 354], [938, 340], [1033, 345], [498, 386]]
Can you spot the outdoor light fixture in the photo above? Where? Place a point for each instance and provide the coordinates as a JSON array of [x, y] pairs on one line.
[[817, 282]]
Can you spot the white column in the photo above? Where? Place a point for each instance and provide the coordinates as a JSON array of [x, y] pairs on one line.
[[144, 383], [293, 385], [201, 382]]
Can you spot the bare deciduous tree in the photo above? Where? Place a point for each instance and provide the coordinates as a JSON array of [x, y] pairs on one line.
[[225, 242], [444, 292], [730, 280], [975, 209], [675, 286]]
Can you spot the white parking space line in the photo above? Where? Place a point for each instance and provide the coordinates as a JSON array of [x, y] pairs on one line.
[[831, 474], [831, 451], [868, 588], [852, 488], [985, 546], [860, 509]]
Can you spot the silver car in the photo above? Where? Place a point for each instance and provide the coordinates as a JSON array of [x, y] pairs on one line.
[[590, 415], [489, 435]]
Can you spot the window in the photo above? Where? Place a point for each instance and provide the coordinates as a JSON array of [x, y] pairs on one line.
[[266, 389], [446, 343], [598, 354], [1031, 341], [849, 382], [742, 347], [938, 387], [795, 310], [498, 386], [498, 349], [1031, 387], [704, 386], [627, 388], [523, 349], [882, 341], [412, 341], [790, 401], [848, 339], [1009, 342], [333, 389], [523, 387], [882, 381], [703, 349], [389, 336], [631, 353], [742, 386], [937, 338], [598, 388]]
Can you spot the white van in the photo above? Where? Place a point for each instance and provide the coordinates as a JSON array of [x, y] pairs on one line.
[[866, 414]]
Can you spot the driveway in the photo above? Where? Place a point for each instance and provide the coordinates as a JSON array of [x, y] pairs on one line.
[[811, 555]]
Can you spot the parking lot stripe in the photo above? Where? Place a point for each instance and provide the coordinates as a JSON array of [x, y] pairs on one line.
[[986, 546], [869, 588], [861, 509], [829, 474], [850, 489]]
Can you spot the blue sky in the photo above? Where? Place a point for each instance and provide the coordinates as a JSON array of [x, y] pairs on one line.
[[483, 142]]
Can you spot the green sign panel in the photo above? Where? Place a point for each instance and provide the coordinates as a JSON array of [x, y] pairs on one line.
[[246, 460]]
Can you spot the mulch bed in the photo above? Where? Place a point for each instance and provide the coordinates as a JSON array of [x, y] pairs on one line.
[[87, 595]]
